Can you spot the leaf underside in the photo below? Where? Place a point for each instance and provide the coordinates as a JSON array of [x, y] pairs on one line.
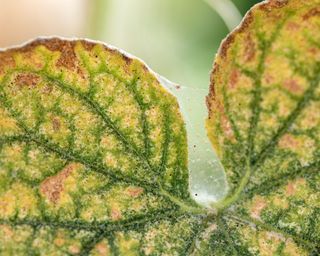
[[93, 151]]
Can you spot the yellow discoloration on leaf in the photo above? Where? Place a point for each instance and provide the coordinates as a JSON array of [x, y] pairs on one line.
[[57, 128], [311, 117], [18, 199], [258, 204], [101, 249], [280, 202], [96, 208], [7, 232], [268, 243], [74, 249], [291, 249], [293, 187], [134, 191], [93, 151], [128, 245], [10, 237], [29, 59], [91, 146], [115, 212], [8, 125], [59, 242], [302, 145]]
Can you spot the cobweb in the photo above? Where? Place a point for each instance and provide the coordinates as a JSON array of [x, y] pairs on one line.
[[208, 182]]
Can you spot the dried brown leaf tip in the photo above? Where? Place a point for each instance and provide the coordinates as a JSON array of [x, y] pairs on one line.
[[267, 81]]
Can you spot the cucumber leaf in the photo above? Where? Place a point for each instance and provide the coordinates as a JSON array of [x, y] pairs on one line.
[[93, 150], [264, 123], [93, 155]]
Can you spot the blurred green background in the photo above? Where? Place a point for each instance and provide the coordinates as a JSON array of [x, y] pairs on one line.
[[177, 38]]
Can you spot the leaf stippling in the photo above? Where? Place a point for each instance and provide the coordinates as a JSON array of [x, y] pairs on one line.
[[264, 123], [93, 150], [93, 154]]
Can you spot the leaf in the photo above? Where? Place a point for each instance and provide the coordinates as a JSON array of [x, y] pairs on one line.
[[93, 151], [264, 122], [93, 155]]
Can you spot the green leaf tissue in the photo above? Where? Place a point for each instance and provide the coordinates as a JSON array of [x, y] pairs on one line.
[[94, 150]]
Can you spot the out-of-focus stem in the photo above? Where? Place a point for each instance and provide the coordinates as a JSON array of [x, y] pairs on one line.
[[227, 11]]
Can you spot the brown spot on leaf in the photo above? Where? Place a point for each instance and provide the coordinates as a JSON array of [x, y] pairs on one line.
[[134, 191], [224, 121], [234, 78], [258, 204], [311, 13], [68, 58], [74, 249], [225, 45], [47, 89], [250, 49], [6, 61], [212, 94], [292, 186], [226, 126], [246, 22], [7, 231], [288, 141], [126, 59], [56, 124], [26, 79], [268, 78], [116, 213], [292, 86], [313, 50], [102, 249], [58, 242], [293, 26], [52, 187], [231, 38], [88, 45], [3, 206], [273, 4], [290, 189]]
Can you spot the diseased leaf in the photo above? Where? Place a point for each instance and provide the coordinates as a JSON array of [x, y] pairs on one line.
[[93, 151], [264, 121], [93, 155]]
